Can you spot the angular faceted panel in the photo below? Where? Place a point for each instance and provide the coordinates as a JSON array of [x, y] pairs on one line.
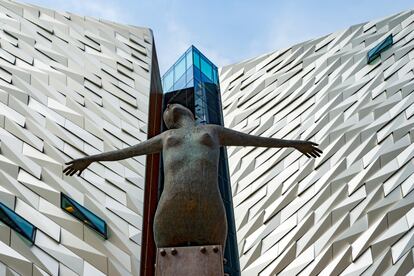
[[325, 216], [78, 211], [17, 223], [381, 47], [72, 86]]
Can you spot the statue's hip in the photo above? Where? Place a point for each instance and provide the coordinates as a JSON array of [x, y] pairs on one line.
[[190, 219]]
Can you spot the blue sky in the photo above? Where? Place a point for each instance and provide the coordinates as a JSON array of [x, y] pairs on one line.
[[231, 31]]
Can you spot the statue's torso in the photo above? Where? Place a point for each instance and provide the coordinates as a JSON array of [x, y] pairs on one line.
[[190, 206], [191, 155]]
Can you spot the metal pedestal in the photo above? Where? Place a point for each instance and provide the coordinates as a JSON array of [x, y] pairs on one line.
[[190, 260]]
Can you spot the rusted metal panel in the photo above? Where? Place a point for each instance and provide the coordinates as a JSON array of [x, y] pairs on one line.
[[152, 172], [191, 260]]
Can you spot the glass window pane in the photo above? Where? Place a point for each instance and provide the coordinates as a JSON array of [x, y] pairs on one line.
[[196, 59], [18, 223], [378, 49], [26, 227], [179, 69], [196, 73], [206, 69], [189, 58], [189, 74], [168, 80], [180, 83], [83, 214], [97, 223], [190, 83], [215, 77]]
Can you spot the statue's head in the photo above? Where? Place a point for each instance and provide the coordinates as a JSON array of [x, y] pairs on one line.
[[174, 112]]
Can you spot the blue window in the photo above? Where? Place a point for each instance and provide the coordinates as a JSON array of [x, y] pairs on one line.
[[16, 222], [206, 68], [83, 214], [189, 74], [381, 47], [196, 74], [179, 69], [168, 80], [180, 83], [215, 78], [189, 58], [196, 59]]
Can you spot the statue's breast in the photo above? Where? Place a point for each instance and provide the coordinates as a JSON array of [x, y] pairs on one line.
[[173, 140], [190, 139], [205, 139]]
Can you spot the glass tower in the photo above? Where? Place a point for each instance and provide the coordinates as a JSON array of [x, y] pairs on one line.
[[193, 82], [195, 72]]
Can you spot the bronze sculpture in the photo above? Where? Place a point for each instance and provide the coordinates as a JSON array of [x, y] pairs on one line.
[[190, 210]]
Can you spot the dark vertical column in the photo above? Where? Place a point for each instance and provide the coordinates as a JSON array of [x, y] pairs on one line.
[[148, 249], [214, 114]]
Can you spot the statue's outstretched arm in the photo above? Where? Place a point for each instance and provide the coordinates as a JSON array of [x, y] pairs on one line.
[[229, 137], [149, 146]]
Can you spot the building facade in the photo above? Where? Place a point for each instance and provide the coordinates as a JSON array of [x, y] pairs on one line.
[[350, 211], [73, 85]]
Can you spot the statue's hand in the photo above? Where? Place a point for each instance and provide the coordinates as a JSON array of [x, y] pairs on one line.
[[308, 148], [77, 165]]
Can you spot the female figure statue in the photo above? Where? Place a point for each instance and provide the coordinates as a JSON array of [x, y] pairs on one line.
[[190, 210]]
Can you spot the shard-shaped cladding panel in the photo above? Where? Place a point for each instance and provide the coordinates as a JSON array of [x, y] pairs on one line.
[[350, 210], [71, 86]]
